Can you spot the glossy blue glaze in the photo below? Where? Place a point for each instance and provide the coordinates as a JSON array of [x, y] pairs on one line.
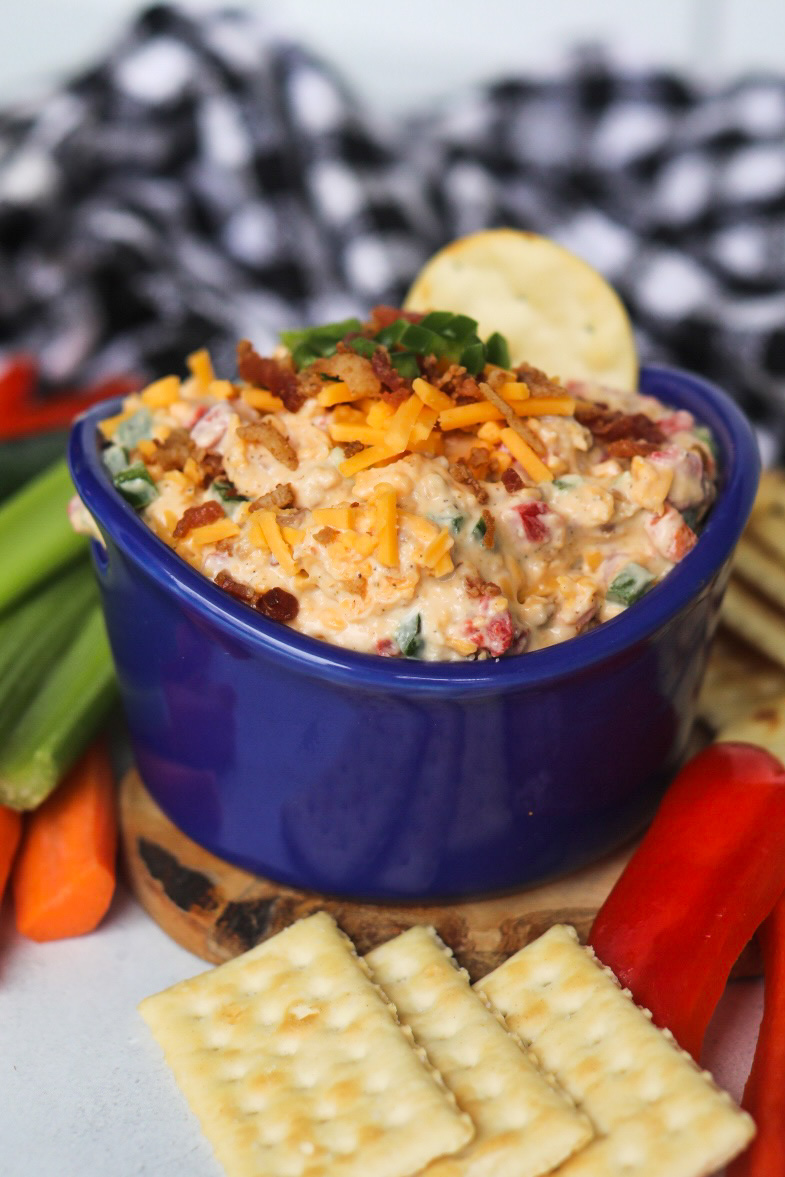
[[395, 779]]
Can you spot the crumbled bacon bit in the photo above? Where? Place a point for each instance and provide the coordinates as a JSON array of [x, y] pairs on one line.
[[490, 529], [173, 453], [479, 461], [461, 473], [280, 497], [278, 605], [264, 372], [610, 425], [356, 371], [325, 535], [350, 448], [266, 434], [383, 316], [477, 587], [233, 587], [192, 517], [457, 383], [211, 466], [512, 480], [625, 447], [394, 388], [538, 383]]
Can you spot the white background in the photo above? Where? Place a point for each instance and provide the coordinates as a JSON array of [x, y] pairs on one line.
[[398, 54]]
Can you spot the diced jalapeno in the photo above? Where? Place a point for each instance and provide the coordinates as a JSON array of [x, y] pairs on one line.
[[568, 483], [473, 358], [497, 350], [437, 321], [391, 334], [363, 347], [408, 638], [303, 355], [115, 458], [461, 328], [479, 530], [136, 485], [630, 584], [131, 431], [422, 341], [405, 364]]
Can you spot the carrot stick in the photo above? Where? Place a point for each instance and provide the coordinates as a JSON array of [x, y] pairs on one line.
[[10, 833], [64, 876], [764, 1095]]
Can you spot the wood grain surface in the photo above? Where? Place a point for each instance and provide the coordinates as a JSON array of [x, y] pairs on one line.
[[217, 910]]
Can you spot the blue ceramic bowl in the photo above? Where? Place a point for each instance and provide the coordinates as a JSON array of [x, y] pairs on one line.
[[390, 779]]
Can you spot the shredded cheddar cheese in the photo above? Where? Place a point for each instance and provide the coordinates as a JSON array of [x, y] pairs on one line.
[[351, 432], [275, 541], [211, 533], [379, 414], [463, 416], [553, 406], [431, 396], [261, 399], [397, 433], [201, 368], [161, 393], [340, 517], [437, 548], [338, 393], [222, 390], [386, 525], [367, 457], [524, 454]]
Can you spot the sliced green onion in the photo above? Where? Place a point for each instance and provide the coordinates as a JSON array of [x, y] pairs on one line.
[[479, 530], [630, 584], [497, 350], [136, 485], [36, 537], [303, 355], [568, 483], [407, 636], [134, 429], [62, 719], [454, 522]]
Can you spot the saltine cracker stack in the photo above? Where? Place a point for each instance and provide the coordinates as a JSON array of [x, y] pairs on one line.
[[296, 1066], [555, 311], [525, 1125], [743, 695], [655, 1113], [295, 1062]]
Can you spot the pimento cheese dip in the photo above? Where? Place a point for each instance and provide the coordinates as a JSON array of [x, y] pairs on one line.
[[395, 487]]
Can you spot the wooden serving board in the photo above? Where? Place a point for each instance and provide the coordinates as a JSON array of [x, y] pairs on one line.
[[217, 910]]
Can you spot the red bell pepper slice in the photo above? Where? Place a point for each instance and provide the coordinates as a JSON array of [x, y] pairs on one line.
[[764, 1095], [706, 875]]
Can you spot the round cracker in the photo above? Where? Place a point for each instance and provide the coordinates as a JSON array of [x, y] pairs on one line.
[[556, 312]]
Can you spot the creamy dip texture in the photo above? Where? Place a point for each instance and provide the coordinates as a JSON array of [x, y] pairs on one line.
[[386, 488]]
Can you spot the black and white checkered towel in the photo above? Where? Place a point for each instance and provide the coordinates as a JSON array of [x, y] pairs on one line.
[[209, 180]]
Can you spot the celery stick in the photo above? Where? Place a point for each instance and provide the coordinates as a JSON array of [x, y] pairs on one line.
[[36, 537], [62, 719], [35, 633]]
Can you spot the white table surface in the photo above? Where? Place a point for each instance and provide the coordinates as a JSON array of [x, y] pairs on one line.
[[84, 1091]]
